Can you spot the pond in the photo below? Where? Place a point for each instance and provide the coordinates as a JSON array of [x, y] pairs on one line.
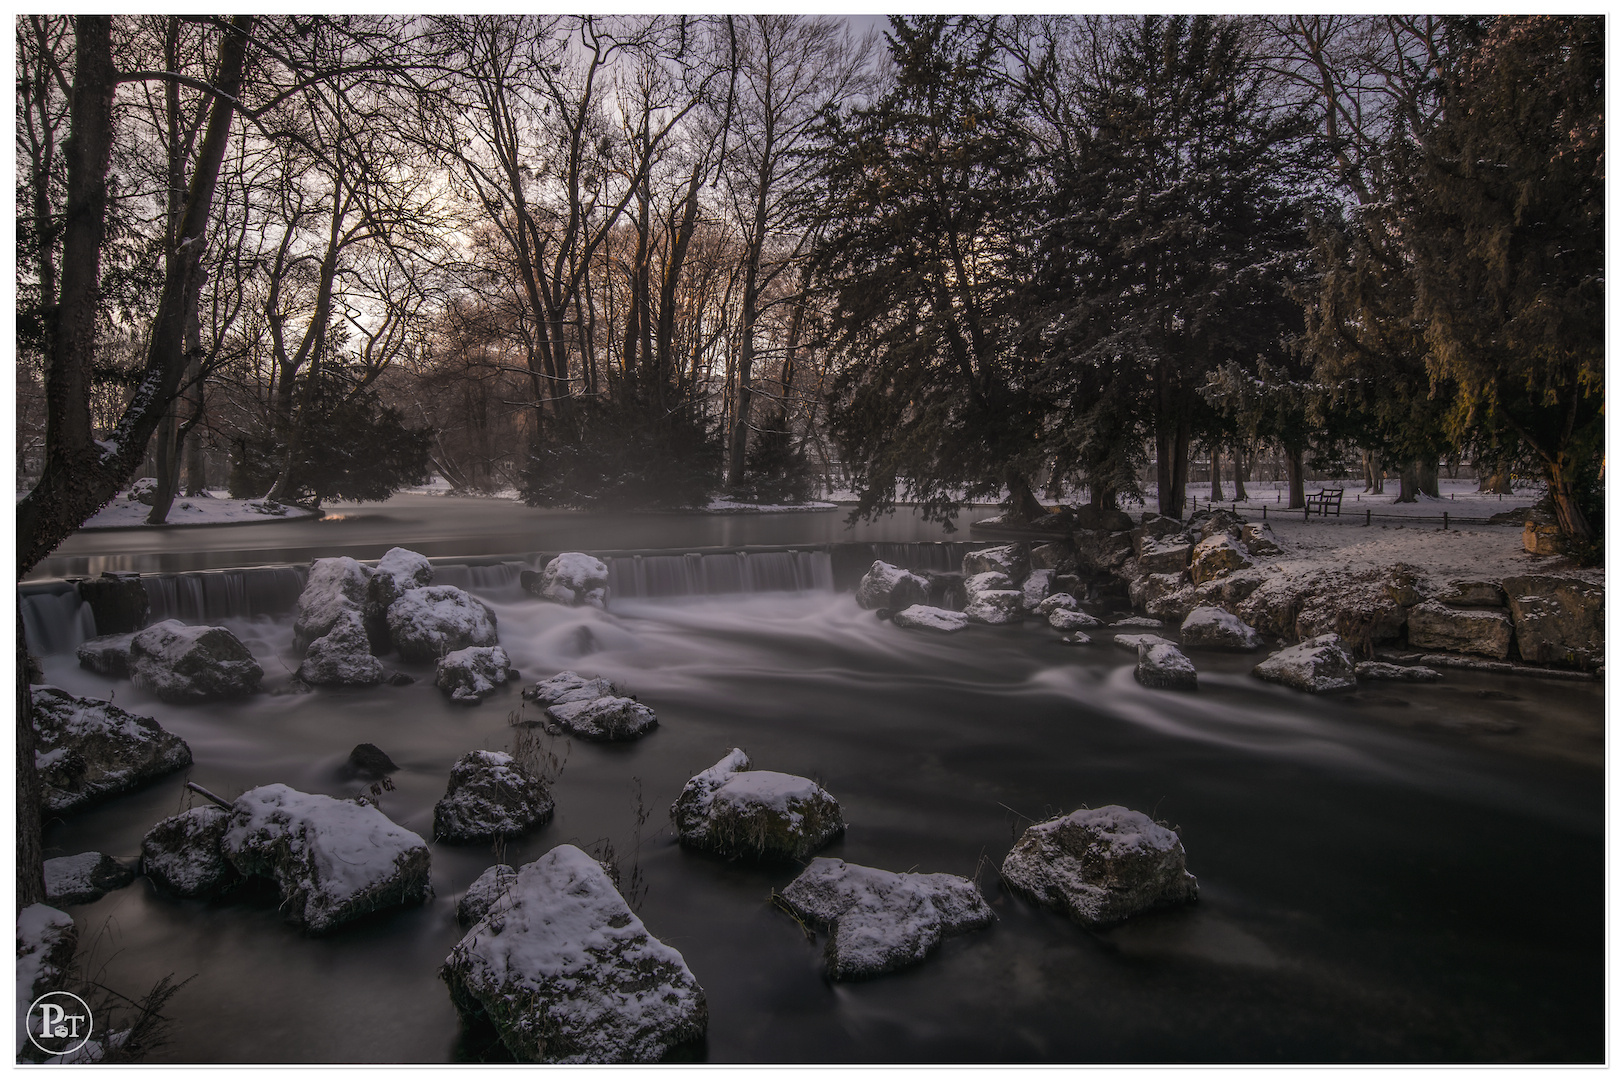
[[1414, 874]]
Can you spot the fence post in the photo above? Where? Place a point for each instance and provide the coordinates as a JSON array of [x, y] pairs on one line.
[[1445, 520], [1369, 517], [1262, 511]]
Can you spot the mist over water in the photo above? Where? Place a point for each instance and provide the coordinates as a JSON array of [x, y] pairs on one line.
[[1370, 890]]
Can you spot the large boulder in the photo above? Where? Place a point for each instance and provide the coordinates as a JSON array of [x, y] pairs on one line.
[[1432, 625], [995, 607], [568, 686], [1101, 551], [987, 581], [88, 750], [180, 663], [1036, 588], [1216, 556], [332, 859], [565, 971], [1559, 620], [575, 579], [1149, 587], [1361, 612], [1009, 559], [185, 855], [1316, 665], [1058, 601], [106, 655], [1163, 556], [1215, 628], [1172, 606], [1057, 556], [333, 587], [761, 815], [604, 719], [880, 921], [1162, 666], [1258, 538], [490, 795], [1064, 620], [118, 601], [889, 587], [399, 571], [482, 894], [1472, 593], [1100, 866], [1231, 590], [428, 622], [1157, 527], [1544, 538], [470, 675], [922, 617], [1132, 643], [84, 878], [1207, 523], [342, 657], [1273, 607]]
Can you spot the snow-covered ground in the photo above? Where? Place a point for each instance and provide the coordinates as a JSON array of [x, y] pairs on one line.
[[218, 508]]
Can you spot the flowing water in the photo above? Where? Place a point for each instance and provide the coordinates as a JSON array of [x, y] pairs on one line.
[[1389, 877]]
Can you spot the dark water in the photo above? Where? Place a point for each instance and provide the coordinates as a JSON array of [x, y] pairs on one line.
[[439, 526], [1374, 887]]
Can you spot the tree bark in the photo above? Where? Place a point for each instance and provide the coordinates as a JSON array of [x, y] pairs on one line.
[[1409, 484], [1215, 493], [30, 848], [1495, 478], [1295, 456], [1240, 473], [1428, 478], [1022, 505]]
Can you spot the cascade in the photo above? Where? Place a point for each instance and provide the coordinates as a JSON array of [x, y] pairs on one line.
[[55, 620]]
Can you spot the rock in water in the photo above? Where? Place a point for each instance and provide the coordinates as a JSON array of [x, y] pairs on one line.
[[922, 617], [881, 921], [1373, 669], [890, 587], [433, 620], [471, 675], [1058, 601], [343, 657], [1559, 620], [566, 972], [1215, 628], [482, 894], [398, 571], [568, 686], [762, 815], [90, 750], [1100, 866], [490, 795], [333, 860], [107, 655], [184, 854], [1162, 666], [369, 762], [1162, 557], [1009, 559], [1133, 641], [575, 579], [604, 719], [1036, 588], [995, 607], [333, 587], [1317, 665], [180, 663], [1060, 619], [84, 879]]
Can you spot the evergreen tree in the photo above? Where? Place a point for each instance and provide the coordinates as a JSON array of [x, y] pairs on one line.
[[1180, 229], [927, 253]]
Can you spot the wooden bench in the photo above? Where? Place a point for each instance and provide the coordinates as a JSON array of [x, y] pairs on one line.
[[1323, 499]]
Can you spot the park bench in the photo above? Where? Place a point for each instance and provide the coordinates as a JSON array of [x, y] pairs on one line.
[[1323, 499]]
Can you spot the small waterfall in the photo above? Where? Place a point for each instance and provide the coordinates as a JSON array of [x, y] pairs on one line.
[[497, 579], [210, 595], [718, 574], [55, 620], [852, 561]]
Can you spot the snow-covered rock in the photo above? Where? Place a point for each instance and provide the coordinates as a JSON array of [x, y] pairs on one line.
[[333, 860], [574, 578], [565, 971], [1432, 625], [1101, 551], [343, 656], [490, 795], [1060, 619], [1215, 628], [143, 491], [923, 617], [1231, 590], [1036, 588], [88, 750], [1317, 665], [433, 620], [568, 686], [1374, 669], [1274, 605], [107, 655], [1172, 606], [995, 607], [1164, 667], [1058, 556], [1100, 866], [180, 663], [1259, 539], [482, 894], [84, 878], [1558, 620], [765, 815], [1138, 620], [1149, 587], [604, 719], [1207, 523], [1009, 559], [986, 581], [1217, 556], [397, 572], [889, 587], [185, 855], [46, 940], [1132, 642], [1358, 610], [1058, 601], [1162, 556], [333, 587], [470, 675], [880, 921], [1472, 592]]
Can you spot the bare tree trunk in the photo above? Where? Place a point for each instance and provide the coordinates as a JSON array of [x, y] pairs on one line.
[[1428, 478], [1409, 484], [1215, 493], [1240, 473], [1495, 478], [30, 848], [1295, 456], [165, 452], [1022, 505]]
